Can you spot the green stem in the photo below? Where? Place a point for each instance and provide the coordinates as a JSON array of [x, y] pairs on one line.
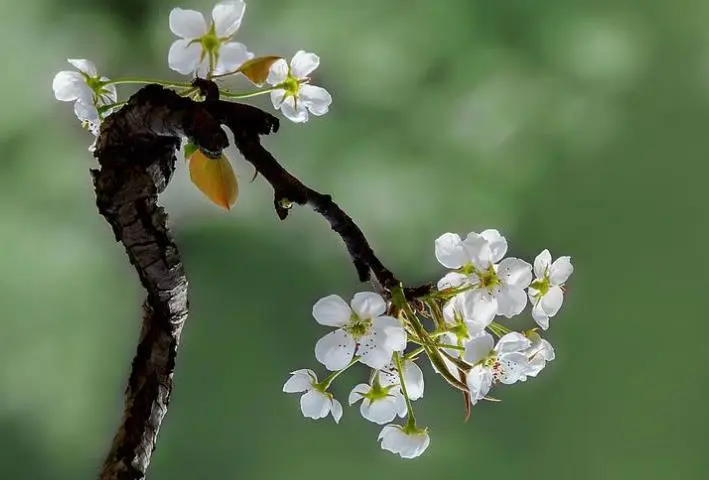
[[129, 80], [411, 420], [228, 94], [328, 380]]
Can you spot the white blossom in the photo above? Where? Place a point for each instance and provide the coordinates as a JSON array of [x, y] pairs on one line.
[[380, 404], [87, 89], [497, 283], [294, 95], [204, 48], [539, 353], [413, 378], [505, 362], [546, 293], [363, 330], [405, 442], [315, 402]]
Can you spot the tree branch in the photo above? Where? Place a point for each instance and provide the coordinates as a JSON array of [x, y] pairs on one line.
[[136, 153]]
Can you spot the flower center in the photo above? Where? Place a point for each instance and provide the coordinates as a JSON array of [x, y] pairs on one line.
[[542, 285], [358, 327], [291, 85], [489, 278]]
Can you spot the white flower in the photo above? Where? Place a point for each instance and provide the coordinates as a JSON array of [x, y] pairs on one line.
[[206, 49], [294, 94], [413, 378], [380, 404], [546, 292], [467, 308], [87, 89], [363, 330], [539, 353], [315, 402], [406, 442], [497, 288], [505, 362]]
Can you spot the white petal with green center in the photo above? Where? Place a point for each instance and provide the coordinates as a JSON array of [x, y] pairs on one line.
[[277, 74], [315, 99], [450, 251], [303, 64], [332, 311], [187, 23], [335, 350], [300, 381], [86, 67], [406, 445], [498, 244], [560, 270], [294, 111], [227, 17], [368, 304], [231, 56], [184, 57]]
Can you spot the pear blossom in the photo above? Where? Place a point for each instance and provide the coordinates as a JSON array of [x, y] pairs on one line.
[[546, 293], [380, 404], [294, 95], [505, 362], [363, 330], [407, 442], [539, 353], [496, 283], [205, 49], [87, 89], [413, 378], [315, 402]]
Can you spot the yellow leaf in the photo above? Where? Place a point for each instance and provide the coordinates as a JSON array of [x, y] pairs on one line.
[[257, 68], [215, 178]]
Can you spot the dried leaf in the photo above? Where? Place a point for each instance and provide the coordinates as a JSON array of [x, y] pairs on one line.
[[257, 68]]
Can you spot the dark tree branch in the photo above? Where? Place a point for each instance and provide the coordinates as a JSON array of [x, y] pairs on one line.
[[136, 153]]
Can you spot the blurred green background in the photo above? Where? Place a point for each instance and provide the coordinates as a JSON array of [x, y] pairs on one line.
[[571, 125]]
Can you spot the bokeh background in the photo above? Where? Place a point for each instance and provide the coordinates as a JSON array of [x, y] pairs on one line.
[[571, 125]]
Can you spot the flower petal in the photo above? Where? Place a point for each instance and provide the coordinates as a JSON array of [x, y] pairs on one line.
[[478, 348], [515, 272], [300, 381], [336, 410], [227, 17], [332, 311], [86, 112], [315, 99], [511, 301], [552, 300], [512, 342], [560, 270], [314, 404], [277, 98], [498, 244], [303, 63], [451, 280], [278, 73], [372, 354], [187, 23], [86, 67], [413, 380], [541, 263], [513, 367], [380, 411], [479, 250], [478, 309], [335, 350], [231, 56], [540, 316], [392, 331], [368, 304], [358, 393], [69, 86], [295, 112], [450, 251], [184, 57], [479, 381]]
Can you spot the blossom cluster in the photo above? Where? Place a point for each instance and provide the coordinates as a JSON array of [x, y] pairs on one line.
[[456, 326], [206, 49]]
